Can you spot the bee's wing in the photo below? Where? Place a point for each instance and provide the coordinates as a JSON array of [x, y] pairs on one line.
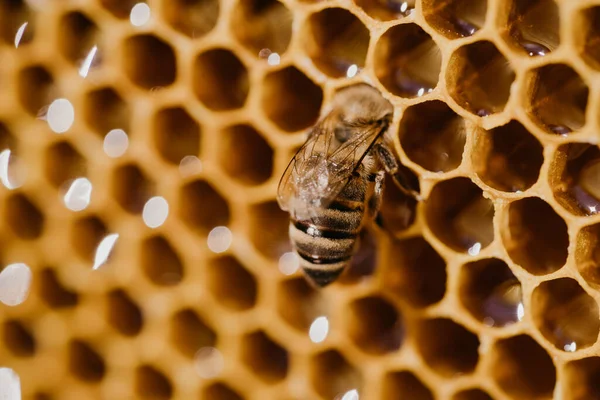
[[317, 174]]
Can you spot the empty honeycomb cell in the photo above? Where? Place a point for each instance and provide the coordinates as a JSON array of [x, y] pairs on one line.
[[220, 391], [269, 229], [574, 178], [63, 163], [7, 138], [565, 314], [189, 333], [123, 314], [104, 109], [14, 14], [151, 384], [54, 293], [245, 155], [336, 40], [375, 325], [459, 215], [131, 188], [149, 61], [508, 158], [23, 217], [264, 357], [447, 347], [384, 10], [523, 369], [479, 78], [299, 304], [398, 211], [290, 99], [491, 293], [18, 339], [35, 88], [535, 236], [472, 394], [160, 262], [176, 134], [220, 80], [332, 375], [77, 35], [194, 18], [417, 272], [85, 363], [455, 18], [589, 45], [86, 234], [407, 61], [119, 8], [202, 208], [587, 254], [433, 136], [404, 385], [262, 24], [558, 99], [231, 284], [582, 377], [532, 25]]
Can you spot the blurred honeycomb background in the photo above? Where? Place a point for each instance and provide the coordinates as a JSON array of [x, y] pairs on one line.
[[143, 144]]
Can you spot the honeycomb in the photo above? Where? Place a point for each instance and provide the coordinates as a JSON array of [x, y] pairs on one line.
[[146, 143]]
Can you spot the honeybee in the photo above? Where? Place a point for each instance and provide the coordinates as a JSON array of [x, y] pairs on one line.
[[333, 185]]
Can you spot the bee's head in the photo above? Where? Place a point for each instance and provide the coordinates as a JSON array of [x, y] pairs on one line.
[[363, 102]]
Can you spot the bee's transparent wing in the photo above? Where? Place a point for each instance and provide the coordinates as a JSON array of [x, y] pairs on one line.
[[319, 171]]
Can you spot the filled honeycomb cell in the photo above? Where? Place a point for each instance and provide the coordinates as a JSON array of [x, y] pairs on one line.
[[149, 61], [535, 236], [587, 256], [459, 215], [16, 15], [523, 369], [23, 217], [479, 78], [152, 384], [417, 274], [472, 394], [54, 292], [86, 234], [193, 18], [433, 136], [220, 391], [176, 134], [455, 18], [588, 43], [408, 61], [404, 385], [201, 207], [245, 155], [532, 26], [78, 34], [262, 25], [574, 179], [63, 163], [220, 80], [36, 89], [336, 40], [85, 363], [231, 284], [375, 325], [160, 262], [123, 314], [189, 333], [565, 314], [290, 99], [447, 347], [131, 187], [582, 379], [18, 338], [264, 357], [510, 158], [491, 292], [332, 375], [558, 99], [104, 109]]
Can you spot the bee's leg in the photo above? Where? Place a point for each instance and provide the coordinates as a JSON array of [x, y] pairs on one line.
[[375, 199], [386, 157]]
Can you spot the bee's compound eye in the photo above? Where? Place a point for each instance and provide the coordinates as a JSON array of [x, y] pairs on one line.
[[322, 277]]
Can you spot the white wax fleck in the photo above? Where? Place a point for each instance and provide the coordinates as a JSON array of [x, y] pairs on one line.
[[19, 34], [116, 143], [60, 116], [219, 239], [15, 282], [352, 71], [319, 329], [87, 63], [79, 195], [289, 263], [140, 14], [104, 250], [209, 362], [156, 211], [351, 395], [10, 385]]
